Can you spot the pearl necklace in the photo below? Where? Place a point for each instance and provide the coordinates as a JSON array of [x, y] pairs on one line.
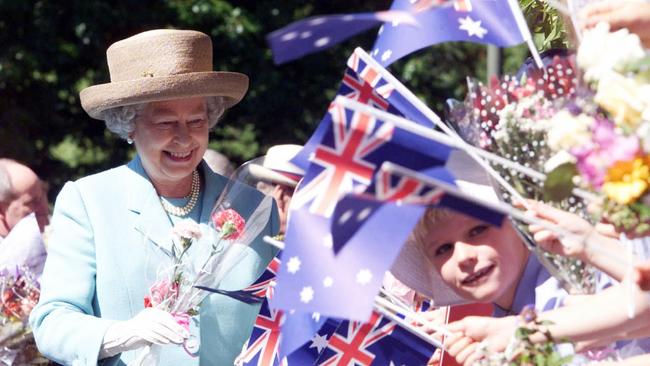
[[194, 197]]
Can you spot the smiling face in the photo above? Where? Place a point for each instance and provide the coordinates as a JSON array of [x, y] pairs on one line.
[[480, 262], [171, 137]]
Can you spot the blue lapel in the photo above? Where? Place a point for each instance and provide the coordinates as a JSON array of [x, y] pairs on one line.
[[152, 221], [214, 185]]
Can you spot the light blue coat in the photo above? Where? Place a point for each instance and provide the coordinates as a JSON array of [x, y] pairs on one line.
[[99, 268]]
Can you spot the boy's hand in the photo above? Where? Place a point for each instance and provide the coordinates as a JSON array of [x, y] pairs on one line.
[[495, 332], [462, 348]]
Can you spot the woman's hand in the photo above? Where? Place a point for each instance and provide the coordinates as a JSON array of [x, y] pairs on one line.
[[150, 326]]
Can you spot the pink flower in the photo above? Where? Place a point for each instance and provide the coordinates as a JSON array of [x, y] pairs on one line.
[[606, 148], [161, 291], [229, 223]]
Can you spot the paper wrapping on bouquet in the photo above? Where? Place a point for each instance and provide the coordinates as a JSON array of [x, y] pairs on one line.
[[509, 117], [205, 257], [23, 246]]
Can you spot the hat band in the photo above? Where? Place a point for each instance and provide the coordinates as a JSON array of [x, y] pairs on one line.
[[293, 177]]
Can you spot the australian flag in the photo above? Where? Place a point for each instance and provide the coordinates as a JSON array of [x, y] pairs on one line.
[[318, 33], [355, 144], [497, 22], [367, 82], [379, 341], [405, 189]]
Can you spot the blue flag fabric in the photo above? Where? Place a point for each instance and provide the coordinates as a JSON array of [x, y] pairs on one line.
[[366, 82], [389, 187], [318, 33], [307, 353], [379, 341], [497, 22]]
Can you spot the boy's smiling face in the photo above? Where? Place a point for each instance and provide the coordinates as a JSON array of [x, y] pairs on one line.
[[480, 262]]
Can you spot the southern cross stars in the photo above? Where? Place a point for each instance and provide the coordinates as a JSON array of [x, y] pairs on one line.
[[472, 27]]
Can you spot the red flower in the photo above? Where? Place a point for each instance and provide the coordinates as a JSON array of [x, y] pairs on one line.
[[229, 223], [147, 302]]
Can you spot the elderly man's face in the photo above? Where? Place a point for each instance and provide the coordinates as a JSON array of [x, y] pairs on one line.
[[171, 137], [29, 196]]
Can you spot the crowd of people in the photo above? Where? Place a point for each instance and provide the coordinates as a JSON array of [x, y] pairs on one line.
[[164, 98]]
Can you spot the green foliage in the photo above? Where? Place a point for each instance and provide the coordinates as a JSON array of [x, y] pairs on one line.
[[559, 182], [52, 50], [545, 23]]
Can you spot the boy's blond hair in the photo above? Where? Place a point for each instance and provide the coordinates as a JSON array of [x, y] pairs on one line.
[[432, 216]]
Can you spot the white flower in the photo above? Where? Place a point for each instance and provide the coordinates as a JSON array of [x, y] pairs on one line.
[[623, 98], [567, 131], [561, 157], [601, 51]]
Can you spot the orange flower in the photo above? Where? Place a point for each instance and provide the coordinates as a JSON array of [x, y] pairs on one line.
[[626, 181]]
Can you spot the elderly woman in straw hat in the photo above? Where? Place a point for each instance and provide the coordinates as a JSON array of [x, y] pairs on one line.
[[163, 98]]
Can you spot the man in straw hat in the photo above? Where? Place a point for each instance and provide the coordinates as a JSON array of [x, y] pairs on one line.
[[111, 231], [279, 177]]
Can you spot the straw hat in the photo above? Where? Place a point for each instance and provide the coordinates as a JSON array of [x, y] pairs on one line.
[[162, 64], [277, 168], [412, 267]]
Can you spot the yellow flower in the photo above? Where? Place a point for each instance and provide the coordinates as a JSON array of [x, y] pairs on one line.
[[627, 180]]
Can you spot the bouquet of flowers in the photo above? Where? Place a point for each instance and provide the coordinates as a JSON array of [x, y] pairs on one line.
[[605, 135], [202, 256], [510, 117], [19, 291]]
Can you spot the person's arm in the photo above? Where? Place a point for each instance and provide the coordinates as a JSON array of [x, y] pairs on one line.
[[633, 15], [64, 323], [586, 243], [579, 322]]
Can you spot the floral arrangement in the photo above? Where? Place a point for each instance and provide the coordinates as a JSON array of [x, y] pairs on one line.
[[179, 288], [511, 117], [19, 291], [606, 132]]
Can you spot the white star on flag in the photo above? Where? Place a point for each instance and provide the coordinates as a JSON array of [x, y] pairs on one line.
[[319, 342], [293, 265], [306, 294], [386, 55], [364, 276], [473, 28], [328, 281]]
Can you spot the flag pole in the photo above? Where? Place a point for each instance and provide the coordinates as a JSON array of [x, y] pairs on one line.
[[501, 207], [417, 103], [525, 32], [457, 142]]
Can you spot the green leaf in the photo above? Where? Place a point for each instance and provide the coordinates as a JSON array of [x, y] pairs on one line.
[[559, 182]]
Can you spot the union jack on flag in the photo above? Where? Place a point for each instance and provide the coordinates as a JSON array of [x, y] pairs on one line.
[[379, 341], [261, 349], [349, 344], [367, 82], [391, 187], [340, 165]]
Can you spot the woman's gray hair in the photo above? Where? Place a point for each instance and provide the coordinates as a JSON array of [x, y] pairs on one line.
[[121, 120]]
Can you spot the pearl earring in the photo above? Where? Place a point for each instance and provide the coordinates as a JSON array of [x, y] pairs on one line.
[[129, 141]]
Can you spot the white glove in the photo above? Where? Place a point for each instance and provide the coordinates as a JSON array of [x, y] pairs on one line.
[[149, 326]]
